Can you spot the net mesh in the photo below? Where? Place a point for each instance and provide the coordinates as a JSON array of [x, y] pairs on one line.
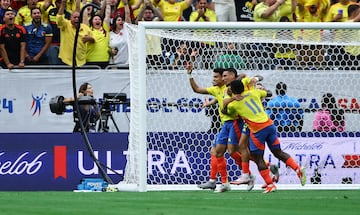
[[319, 68]]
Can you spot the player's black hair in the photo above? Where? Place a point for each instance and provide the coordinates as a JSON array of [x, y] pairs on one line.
[[232, 70], [237, 87], [280, 88], [219, 70]]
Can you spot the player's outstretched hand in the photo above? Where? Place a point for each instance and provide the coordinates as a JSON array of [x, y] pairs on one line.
[[189, 68]]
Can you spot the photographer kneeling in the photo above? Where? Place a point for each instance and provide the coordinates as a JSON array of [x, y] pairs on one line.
[[90, 113]]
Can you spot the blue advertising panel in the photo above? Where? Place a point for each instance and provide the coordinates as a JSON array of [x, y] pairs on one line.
[[59, 161], [49, 161]]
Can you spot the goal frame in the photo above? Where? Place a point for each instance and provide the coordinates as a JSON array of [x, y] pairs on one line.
[[138, 90]]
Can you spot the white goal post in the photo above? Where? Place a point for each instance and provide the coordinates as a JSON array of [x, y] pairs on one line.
[[169, 137]]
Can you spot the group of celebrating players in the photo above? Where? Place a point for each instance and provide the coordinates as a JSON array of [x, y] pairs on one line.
[[246, 128]]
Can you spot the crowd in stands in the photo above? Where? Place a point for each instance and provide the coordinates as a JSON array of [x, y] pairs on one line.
[[41, 32]]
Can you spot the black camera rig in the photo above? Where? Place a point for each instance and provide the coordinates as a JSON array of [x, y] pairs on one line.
[[58, 103]]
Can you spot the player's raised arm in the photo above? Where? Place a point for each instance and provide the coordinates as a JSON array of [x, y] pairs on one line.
[[193, 84]]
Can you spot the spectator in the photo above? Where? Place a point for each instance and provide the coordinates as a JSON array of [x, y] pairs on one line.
[[225, 10], [245, 10], [38, 39], [205, 48], [149, 13], [67, 37], [288, 9], [338, 12], [351, 56], [4, 5], [73, 5], [12, 42], [23, 17], [172, 10], [184, 56], [230, 58], [329, 118], [203, 13], [266, 11], [285, 111], [310, 55], [53, 51], [118, 39], [99, 53], [118, 9], [17, 4], [311, 11], [284, 52]]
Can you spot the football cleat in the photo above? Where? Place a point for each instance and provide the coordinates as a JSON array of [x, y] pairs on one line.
[[251, 183], [301, 172], [270, 188], [243, 179], [208, 185], [222, 188], [275, 173]]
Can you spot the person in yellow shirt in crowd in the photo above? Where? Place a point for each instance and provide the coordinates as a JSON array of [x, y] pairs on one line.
[[338, 12], [99, 53], [310, 11], [67, 37], [23, 16], [172, 10], [351, 56], [202, 13], [288, 9], [267, 11], [149, 13]]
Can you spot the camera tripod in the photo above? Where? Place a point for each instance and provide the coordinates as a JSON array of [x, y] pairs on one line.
[[105, 114]]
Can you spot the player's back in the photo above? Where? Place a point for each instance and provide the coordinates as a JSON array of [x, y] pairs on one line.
[[250, 108]]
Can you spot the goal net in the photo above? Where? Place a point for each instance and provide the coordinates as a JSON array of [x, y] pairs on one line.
[[171, 134]]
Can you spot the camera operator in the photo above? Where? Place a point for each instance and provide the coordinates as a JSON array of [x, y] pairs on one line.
[[90, 113]]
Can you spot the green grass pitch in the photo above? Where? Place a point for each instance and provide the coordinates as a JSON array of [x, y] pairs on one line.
[[289, 202]]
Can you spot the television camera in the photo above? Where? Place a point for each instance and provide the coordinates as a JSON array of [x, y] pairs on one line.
[[58, 105]]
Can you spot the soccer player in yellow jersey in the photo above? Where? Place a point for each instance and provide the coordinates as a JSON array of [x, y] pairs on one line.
[[246, 177], [217, 91], [262, 130], [229, 135]]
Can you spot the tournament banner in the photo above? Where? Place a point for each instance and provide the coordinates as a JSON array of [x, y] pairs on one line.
[[25, 96]]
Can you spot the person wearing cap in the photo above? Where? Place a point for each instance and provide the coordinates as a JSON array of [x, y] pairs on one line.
[[285, 111]]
